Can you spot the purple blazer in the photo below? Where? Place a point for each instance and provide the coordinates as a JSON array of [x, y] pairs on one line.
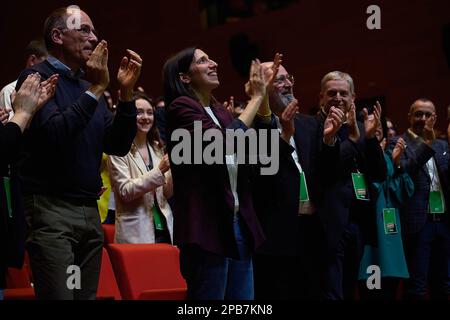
[[203, 201]]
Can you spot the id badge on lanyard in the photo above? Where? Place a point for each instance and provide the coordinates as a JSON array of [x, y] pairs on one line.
[[360, 186], [436, 203]]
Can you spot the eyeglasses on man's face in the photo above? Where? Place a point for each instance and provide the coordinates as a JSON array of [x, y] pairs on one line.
[[420, 114], [282, 79], [84, 30]]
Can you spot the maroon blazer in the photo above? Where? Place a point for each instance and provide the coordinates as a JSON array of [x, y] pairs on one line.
[[203, 201]]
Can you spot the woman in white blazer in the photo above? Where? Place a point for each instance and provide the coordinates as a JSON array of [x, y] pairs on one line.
[[142, 183]]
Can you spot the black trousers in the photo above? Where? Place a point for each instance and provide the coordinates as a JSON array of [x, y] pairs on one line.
[[343, 265], [64, 242], [299, 276]]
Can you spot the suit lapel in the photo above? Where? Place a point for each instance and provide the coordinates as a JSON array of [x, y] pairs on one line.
[[137, 159], [412, 155], [222, 115]]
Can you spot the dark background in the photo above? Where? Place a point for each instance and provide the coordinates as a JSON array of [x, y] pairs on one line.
[[403, 61]]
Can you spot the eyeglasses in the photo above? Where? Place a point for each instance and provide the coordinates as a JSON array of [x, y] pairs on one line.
[[84, 30], [420, 114], [281, 79]]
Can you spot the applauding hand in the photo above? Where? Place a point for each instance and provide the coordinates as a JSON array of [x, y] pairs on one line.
[[128, 74]]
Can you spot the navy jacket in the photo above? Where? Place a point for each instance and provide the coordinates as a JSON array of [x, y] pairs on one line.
[[339, 205], [277, 196], [413, 160], [12, 228], [67, 137]]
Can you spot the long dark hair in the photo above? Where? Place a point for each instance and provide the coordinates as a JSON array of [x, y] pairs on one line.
[[153, 135], [173, 86]]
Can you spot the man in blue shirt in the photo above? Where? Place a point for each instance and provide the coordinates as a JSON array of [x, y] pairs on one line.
[[63, 150]]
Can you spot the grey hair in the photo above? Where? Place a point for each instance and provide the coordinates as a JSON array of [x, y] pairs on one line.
[[337, 75]]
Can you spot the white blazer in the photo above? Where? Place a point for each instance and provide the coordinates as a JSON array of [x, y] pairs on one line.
[[134, 188]]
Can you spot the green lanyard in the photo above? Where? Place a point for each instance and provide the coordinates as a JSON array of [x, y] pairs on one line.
[[157, 216], [7, 186]]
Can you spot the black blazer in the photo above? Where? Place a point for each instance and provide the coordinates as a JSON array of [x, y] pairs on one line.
[[12, 229], [276, 197], [339, 205], [413, 160]]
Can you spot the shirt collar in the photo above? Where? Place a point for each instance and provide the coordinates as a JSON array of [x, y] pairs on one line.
[[64, 69]]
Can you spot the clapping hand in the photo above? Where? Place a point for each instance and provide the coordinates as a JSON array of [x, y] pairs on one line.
[[229, 105], [287, 120], [372, 123], [128, 74], [398, 151], [332, 124]]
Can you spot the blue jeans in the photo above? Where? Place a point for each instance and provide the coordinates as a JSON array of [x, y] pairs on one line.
[[213, 277], [431, 244]]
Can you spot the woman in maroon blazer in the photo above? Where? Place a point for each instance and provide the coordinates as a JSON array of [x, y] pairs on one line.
[[215, 225]]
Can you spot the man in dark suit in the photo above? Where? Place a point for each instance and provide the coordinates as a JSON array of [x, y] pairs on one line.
[[288, 265], [425, 218], [346, 209]]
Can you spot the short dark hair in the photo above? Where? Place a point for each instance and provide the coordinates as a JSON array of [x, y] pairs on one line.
[[173, 86], [55, 19], [36, 47]]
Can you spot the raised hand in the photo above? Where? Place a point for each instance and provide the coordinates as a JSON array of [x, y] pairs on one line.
[[271, 76], [97, 69], [398, 151], [164, 164], [229, 105], [4, 115], [257, 85], [372, 123], [48, 90], [353, 130], [128, 74], [27, 98], [428, 129], [287, 120], [332, 124]]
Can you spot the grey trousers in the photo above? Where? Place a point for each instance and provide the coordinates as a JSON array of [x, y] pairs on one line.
[[64, 242]]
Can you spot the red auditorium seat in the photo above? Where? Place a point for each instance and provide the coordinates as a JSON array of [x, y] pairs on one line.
[[107, 284], [108, 231], [18, 284], [148, 271]]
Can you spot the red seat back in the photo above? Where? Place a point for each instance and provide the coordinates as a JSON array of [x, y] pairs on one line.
[[150, 271], [107, 284]]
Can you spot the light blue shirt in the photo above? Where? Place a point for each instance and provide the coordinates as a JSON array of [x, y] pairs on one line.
[[60, 66]]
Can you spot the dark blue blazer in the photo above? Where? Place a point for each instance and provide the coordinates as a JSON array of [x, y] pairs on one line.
[[339, 205], [277, 196], [12, 229], [413, 161]]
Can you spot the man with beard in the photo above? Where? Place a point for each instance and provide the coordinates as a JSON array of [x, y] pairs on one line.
[[288, 265], [346, 211], [425, 218], [64, 146]]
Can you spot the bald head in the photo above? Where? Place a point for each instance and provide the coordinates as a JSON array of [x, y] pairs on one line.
[[419, 112], [421, 102]]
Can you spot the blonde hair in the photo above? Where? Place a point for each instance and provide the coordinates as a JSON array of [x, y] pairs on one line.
[[337, 75]]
